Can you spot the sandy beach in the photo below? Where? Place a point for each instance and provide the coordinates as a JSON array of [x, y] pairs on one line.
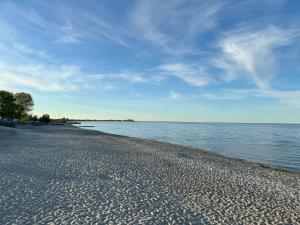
[[67, 175]]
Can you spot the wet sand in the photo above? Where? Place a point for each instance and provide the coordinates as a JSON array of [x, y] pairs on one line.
[[67, 175]]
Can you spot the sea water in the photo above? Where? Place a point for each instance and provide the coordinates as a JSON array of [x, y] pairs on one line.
[[275, 145]]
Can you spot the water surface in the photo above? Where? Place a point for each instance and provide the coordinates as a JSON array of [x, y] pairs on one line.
[[276, 145]]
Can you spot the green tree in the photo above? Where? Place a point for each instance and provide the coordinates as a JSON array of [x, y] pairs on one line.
[[24, 104], [45, 118], [29, 117], [7, 104], [35, 118]]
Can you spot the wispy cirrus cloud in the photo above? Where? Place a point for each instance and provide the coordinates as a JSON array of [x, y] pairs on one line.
[[286, 97], [291, 98], [22, 66], [194, 75], [75, 30], [23, 49], [251, 52], [131, 77], [173, 25], [67, 34], [67, 24], [43, 77], [223, 96]]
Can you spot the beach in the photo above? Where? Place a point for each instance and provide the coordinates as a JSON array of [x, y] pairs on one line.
[[67, 175]]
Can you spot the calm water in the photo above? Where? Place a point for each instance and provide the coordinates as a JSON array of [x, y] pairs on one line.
[[276, 145]]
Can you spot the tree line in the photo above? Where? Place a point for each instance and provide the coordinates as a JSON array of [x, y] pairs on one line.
[[17, 106]]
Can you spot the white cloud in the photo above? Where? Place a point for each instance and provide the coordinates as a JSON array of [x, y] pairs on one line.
[[24, 67], [286, 97], [223, 96], [173, 95], [67, 34], [132, 77], [194, 75], [252, 53], [30, 51], [88, 26], [291, 98], [41, 77], [104, 29], [173, 25], [71, 24]]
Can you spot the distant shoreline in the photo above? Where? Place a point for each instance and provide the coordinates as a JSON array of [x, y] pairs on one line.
[[201, 151], [235, 140], [112, 120], [188, 148], [164, 121]]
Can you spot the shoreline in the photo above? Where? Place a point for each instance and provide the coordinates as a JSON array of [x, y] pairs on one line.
[[201, 151], [66, 174]]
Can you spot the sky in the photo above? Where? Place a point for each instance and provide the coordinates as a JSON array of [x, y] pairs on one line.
[[181, 60]]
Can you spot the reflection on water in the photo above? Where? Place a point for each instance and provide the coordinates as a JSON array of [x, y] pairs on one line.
[[275, 145]]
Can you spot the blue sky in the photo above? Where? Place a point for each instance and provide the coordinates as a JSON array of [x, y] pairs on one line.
[[229, 61]]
